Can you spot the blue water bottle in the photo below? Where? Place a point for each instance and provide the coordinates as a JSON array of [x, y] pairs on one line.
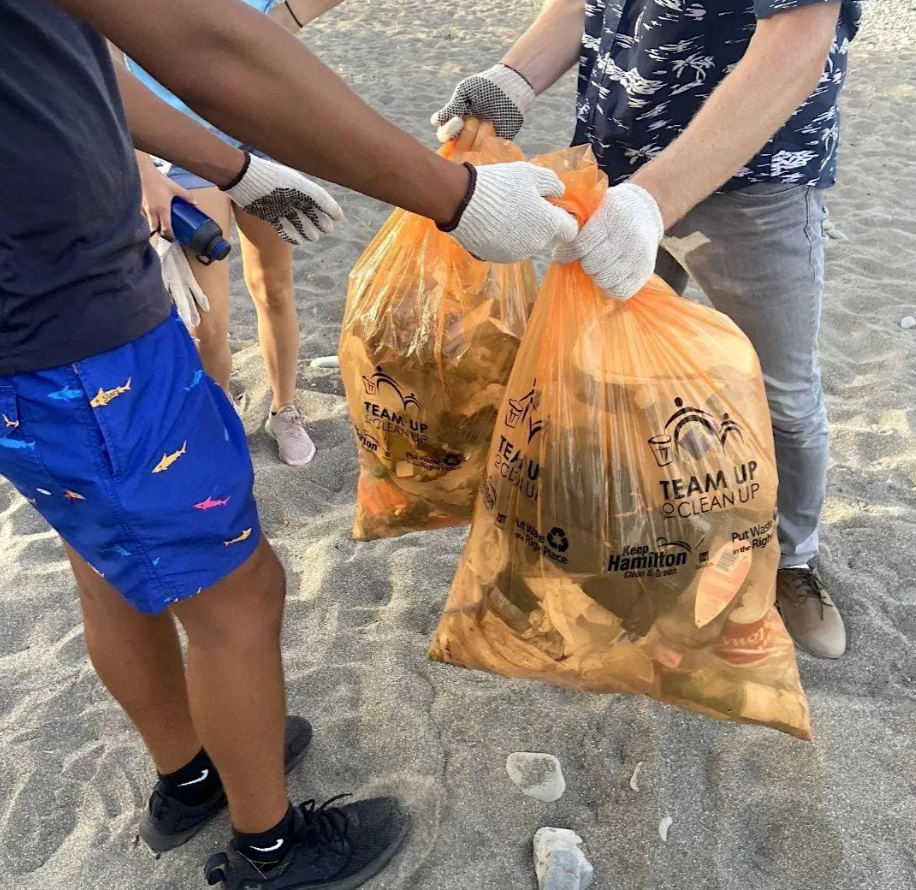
[[196, 231]]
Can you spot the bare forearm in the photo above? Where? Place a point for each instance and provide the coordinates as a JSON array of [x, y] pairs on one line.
[[157, 128], [270, 91], [779, 71], [551, 46]]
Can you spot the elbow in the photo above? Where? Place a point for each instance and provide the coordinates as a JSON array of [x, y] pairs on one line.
[[811, 74], [798, 68], [816, 63], [797, 43], [195, 83], [214, 51], [807, 58]]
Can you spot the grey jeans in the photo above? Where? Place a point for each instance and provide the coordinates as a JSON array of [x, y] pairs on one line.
[[758, 255]]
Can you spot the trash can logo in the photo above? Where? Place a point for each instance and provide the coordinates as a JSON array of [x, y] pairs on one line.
[[525, 409], [373, 384], [689, 429]]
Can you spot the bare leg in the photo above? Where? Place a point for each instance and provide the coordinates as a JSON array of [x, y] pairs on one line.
[[269, 275], [138, 658], [235, 685], [213, 332]]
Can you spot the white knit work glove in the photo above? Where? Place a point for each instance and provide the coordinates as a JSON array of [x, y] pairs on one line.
[[298, 209], [182, 286], [505, 217], [500, 95], [618, 246]]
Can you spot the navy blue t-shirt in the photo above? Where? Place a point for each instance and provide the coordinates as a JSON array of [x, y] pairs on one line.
[[77, 274], [647, 67]]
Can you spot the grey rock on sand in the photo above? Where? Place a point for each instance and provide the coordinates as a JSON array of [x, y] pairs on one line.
[[538, 775], [559, 861], [325, 361]]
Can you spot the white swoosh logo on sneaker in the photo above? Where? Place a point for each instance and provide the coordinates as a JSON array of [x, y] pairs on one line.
[[272, 849], [203, 778]]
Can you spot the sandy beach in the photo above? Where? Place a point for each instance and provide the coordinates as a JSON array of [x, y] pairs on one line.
[[751, 809]]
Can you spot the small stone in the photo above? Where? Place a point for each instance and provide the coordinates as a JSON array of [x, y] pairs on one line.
[[326, 361], [834, 232], [664, 827], [559, 861], [908, 322], [562, 872], [634, 779], [538, 775]]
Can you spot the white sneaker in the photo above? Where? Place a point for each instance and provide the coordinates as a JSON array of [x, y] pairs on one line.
[[296, 446]]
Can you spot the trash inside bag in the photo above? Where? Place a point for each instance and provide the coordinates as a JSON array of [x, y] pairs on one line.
[[624, 539], [429, 338]]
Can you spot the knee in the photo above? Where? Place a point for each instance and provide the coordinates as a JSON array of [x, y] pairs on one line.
[[213, 333], [245, 611], [271, 290], [274, 592], [262, 598], [799, 412]]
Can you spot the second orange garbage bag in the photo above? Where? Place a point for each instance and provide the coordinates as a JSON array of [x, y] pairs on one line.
[[429, 338], [625, 536]]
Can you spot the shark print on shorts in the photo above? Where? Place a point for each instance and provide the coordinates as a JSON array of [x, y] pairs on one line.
[[139, 461]]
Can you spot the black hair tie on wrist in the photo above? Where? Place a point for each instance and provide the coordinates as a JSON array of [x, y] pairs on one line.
[[238, 176], [472, 187], [289, 9]]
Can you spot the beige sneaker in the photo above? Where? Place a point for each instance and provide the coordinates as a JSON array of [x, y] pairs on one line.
[[296, 446], [810, 615]]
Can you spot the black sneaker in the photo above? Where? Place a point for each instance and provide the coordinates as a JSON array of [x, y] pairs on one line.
[[336, 848], [168, 823]]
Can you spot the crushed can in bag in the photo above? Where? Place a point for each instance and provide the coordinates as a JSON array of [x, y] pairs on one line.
[[624, 538], [429, 337]]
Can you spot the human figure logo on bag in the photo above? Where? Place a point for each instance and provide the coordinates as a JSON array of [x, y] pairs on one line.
[[693, 427], [373, 383]]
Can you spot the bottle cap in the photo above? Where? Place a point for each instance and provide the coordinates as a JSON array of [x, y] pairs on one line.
[[218, 248]]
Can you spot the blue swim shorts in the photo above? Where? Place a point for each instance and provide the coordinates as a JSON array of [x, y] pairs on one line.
[[139, 461]]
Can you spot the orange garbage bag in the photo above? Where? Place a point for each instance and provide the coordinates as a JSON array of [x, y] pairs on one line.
[[429, 338], [624, 539]]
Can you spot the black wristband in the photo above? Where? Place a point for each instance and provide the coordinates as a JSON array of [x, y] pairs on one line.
[[472, 186], [239, 176], [289, 9]]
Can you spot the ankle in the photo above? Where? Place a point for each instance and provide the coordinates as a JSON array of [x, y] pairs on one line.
[[268, 848], [197, 781], [177, 757]]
